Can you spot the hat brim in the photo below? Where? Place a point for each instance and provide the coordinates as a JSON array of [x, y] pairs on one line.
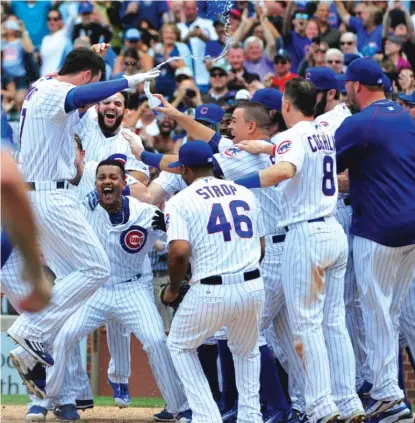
[[206, 120], [407, 98], [174, 164]]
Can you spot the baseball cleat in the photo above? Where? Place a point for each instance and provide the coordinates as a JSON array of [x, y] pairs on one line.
[[32, 387], [359, 417], [331, 418], [36, 414], [84, 404], [184, 416], [374, 407], [34, 348], [164, 416], [121, 394], [398, 413], [230, 415], [301, 416], [66, 412]]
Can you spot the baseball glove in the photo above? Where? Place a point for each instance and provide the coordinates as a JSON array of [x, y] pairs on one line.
[[184, 287]]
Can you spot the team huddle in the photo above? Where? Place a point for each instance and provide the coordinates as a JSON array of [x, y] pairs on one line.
[[299, 231]]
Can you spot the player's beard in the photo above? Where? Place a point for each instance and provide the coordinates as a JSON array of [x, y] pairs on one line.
[[109, 129], [320, 107]]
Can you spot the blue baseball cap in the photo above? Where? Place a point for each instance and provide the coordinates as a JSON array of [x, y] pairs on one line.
[[271, 98], [194, 153], [408, 98], [322, 78], [366, 71], [122, 158], [341, 83], [132, 34], [85, 7], [211, 113], [387, 84], [350, 57]]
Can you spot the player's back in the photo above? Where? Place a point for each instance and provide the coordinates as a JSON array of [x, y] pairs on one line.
[[332, 119], [221, 221], [312, 192], [47, 132]]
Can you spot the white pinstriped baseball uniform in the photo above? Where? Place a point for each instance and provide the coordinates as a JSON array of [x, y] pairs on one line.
[[407, 319], [330, 121], [225, 241], [170, 182], [47, 134], [314, 263], [127, 297]]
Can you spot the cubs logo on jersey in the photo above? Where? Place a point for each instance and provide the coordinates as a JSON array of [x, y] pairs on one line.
[[133, 239], [284, 147], [232, 151]]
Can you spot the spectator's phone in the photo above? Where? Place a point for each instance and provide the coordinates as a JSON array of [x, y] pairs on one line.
[[190, 93]]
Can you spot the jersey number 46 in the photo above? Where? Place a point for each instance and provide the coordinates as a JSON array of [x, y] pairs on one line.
[[241, 222]]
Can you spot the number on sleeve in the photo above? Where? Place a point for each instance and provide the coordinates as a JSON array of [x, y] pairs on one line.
[[328, 186], [23, 118], [242, 223]]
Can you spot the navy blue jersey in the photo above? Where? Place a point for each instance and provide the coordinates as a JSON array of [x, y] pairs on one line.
[[377, 145]]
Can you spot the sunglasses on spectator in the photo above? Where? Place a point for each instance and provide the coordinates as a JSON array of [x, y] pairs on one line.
[[337, 62], [130, 63], [280, 62], [301, 16], [349, 43], [54, 19], [321, 50], [215, 74]]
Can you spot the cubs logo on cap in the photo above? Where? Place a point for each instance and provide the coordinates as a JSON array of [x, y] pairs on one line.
[[122, 158], [133, 239], [284, 147], [231, 151], [308, 75], [204, 110]]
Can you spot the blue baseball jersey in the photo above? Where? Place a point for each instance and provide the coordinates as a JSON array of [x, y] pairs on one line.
[[377, 145]]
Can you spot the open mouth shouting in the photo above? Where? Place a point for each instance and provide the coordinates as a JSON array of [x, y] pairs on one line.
[[110, 118], [108, 194]]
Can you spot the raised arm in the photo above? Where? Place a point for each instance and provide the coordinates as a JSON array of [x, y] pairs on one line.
[[270, 49], [343, 13], [286, 28]]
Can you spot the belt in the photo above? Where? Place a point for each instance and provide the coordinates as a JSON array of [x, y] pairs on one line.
[[160, 273], [217, 280], [134, 278], [319, 219], [347, 201], [276, 239], [35, 186]]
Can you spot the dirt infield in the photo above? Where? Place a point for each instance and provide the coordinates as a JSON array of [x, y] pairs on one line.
[[16, 413]]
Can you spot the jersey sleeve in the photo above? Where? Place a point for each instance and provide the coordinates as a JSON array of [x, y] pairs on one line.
[[130, 180], [52, 95], [83, 126], [289, 148], [177, 226], [170, 182]]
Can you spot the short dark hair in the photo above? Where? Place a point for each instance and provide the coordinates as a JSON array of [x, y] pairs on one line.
[[82, 59], [256, 112], [55, 9], [302, 94], [78, 142], [111, 162], [131, 52], [230, 110]]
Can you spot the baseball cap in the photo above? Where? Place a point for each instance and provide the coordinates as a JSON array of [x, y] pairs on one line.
[[242, 95], [271, 98], [218, 67], [219, 20], [341, 83], [132, 34], [387, 84], [194, 153], [409, 98], [396, 40], [185, 71], [322, 78], [12, 26], [122, 158], [235, 13], [282, 54], [366, 71], [85, 7], [210, 112], [350, 57]]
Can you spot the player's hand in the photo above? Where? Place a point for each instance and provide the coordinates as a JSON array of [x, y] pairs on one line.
[[255, 147], [167, 109], [136, 143], [100, 49], [158, 222], [268, 78], [168, 295], [39, 298], [139, 78]]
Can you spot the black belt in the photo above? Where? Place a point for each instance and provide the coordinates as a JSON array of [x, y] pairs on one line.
[[319, 219], [217, 280], [347, 201], [276, 239], [59, 185], [136, 277]]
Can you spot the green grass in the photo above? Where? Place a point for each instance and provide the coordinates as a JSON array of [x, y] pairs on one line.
[[102, 401]]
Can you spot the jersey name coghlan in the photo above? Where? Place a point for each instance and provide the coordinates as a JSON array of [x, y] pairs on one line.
[[321, 142]]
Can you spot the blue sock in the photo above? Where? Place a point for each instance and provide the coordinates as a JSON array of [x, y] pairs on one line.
[[229, 391], [401, 379], [208, 355], [283, 375], [271, 392]]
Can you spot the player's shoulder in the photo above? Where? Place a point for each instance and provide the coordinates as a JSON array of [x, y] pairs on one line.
[[140, 206], [46, 83]]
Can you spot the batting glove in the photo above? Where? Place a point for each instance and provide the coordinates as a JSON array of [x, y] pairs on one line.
[[137, 79]]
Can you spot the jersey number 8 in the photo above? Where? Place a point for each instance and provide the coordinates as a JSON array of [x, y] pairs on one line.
[[328, 186], [241, 222]]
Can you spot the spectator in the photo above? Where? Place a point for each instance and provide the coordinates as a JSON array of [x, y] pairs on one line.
[[275, 12], [165, 83], [368, 28], [33, 14], [214, 48], [348, 43], [257, 60], [393, 53], [130, 63], [109, 14], [197, 31], [238, 76], [218, 93], [132, 12], [14, 51], [187, 96], [328, 34], [235, 17], [406, 81], [408, 102], [316, 56], [8, 93], [164, 142], [295, 41], [94, 30], [283, 72], [57, 44], [335, 60]]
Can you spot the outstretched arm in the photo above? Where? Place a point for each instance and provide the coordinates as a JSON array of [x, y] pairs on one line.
[[268, 177]]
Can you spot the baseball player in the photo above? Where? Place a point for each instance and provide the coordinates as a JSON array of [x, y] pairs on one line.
[[124, 228], [330, 113], [314, 257], [227, 287], [48, 118], [382, 177]]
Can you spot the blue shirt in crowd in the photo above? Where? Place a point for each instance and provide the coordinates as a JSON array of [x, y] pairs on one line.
[[363, 37], [297, 47], [150, 10], [377, 145], [166, 83], [13, 60]]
